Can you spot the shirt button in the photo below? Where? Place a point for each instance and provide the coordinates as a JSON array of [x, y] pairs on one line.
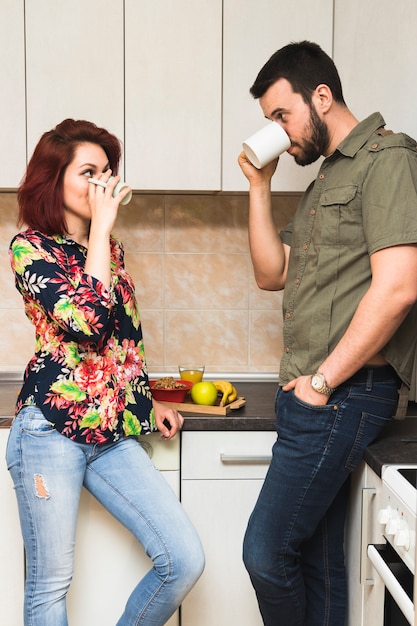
[[287, 316], [287, 350], [305, 246], [297, 281], [374, 146], [313, 212], [321, 176]]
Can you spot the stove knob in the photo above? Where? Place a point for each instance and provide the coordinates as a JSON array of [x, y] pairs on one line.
[[393, 525], [384, 515], [402, 539]]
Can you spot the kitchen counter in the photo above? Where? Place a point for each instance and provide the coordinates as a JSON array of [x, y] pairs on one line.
[[397, 445], [8, 394], [257, 414]]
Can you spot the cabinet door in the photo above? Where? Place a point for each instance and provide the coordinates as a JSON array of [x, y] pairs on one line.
[[220, 511], [365, 589], [375, 52], [99, 571], [74, 65], [12, 560], [12, 102], [253, 31], [118, 569], [173, 94], [221, 476]]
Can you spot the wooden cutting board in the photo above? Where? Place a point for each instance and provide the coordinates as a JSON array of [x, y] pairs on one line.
[[191, 407]]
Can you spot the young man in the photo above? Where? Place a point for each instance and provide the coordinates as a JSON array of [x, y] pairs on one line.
[[348, 265]]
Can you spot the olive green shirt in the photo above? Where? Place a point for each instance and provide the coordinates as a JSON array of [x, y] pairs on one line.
[[364, 199]]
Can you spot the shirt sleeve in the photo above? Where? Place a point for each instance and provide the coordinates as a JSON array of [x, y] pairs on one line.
[[389, 201], [54, 282], [286, 234]]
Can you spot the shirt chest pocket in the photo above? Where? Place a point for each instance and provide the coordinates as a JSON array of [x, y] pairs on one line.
[[340, 217]]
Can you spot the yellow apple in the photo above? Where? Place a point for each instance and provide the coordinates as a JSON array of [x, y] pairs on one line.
[[204, 393]]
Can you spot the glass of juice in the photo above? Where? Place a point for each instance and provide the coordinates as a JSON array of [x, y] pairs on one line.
[[193, 373]]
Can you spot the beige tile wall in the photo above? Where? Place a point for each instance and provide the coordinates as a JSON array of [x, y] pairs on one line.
[[189, 257]]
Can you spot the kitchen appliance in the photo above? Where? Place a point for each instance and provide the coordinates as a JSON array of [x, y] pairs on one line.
[[394, 559]]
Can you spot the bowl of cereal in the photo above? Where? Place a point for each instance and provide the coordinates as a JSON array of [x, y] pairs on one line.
[[168, 389]]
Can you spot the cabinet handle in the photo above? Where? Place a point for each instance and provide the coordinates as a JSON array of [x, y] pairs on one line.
[[245, 459], [368, 493]]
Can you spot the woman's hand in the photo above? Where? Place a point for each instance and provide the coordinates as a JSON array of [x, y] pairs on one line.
[[103, 206], [103, 210], [168, 421]]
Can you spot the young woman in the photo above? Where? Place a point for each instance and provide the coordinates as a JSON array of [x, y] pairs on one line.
[[86, 393]]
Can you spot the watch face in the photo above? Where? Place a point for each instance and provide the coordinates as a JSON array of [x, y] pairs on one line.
[[317, 381]]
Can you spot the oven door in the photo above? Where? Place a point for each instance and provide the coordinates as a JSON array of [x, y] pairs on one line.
[[398, 582]]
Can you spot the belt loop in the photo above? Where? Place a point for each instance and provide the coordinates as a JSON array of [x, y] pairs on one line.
[[369, 378]]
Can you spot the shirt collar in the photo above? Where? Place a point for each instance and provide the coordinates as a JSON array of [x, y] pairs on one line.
[[66, 239], [360, 135]]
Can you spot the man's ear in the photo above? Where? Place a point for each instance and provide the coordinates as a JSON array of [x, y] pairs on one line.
[[323, 97]]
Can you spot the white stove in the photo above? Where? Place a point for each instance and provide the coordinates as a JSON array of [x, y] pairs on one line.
[[399, 510], [397, 515]]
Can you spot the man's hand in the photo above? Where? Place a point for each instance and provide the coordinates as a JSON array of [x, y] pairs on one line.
[[254, 175], [305, 392]]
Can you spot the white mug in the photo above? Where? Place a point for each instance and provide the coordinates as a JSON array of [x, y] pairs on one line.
[[120, 185], [266, 145]]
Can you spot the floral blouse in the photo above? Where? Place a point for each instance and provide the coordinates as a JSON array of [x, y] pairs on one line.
[[88, 374]]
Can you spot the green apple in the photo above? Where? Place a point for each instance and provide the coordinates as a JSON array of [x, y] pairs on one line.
[[204, 393]]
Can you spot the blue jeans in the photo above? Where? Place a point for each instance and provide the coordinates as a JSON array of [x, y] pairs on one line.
[[48, 472], [293, 546]]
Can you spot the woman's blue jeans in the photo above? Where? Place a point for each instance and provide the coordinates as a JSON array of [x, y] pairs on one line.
[[48, 472], [293, 547]]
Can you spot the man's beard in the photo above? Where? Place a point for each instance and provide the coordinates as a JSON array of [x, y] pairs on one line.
[[315, 147]]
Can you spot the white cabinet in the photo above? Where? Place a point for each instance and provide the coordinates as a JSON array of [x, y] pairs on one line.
[[12, 102], [252, 33], [116, 571], [173, 94], [11, 547], [375, 52], [365, 588], [74, 65], [221, 476], [172, 79]]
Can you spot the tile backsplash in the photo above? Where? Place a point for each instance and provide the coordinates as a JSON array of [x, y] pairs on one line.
[[189, 258]]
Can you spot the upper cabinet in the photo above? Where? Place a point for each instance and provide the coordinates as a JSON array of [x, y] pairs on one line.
[[74, 65], [173, 94], [375, 52], [171, 79], [12, 102], [253, 31]]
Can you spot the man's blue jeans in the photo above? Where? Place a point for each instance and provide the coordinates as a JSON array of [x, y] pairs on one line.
[[48, 472], [293, 547]]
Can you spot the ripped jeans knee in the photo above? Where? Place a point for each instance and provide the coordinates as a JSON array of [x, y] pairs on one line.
[[47, 472], [40, 486]]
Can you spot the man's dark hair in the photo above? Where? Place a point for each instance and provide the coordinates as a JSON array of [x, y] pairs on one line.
[[305, 65]]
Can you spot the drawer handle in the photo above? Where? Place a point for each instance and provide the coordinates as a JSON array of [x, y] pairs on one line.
[[245, 459]]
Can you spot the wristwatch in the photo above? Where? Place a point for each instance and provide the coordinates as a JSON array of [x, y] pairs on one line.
[[318, 382]]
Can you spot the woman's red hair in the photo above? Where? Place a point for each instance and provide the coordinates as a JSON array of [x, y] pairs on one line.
[[40, 195]]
